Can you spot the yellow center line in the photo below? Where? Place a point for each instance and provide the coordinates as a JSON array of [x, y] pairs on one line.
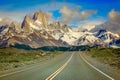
[[52, 76]]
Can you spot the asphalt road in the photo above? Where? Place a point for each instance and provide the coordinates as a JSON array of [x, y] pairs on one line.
[[66, 66]]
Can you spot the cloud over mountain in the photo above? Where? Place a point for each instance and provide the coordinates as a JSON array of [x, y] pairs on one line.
[[113, 24], [89, 25], [69, 15], [114, 16], [14, 15]]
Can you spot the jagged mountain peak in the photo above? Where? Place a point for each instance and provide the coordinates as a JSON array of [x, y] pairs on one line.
[[37, 22], [40, 18], [25, 24], [38, 15], [89, 39], [106, 36], [101, 31], [105, 32]]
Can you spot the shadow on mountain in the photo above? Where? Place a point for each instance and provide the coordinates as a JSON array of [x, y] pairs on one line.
[[52, 48]]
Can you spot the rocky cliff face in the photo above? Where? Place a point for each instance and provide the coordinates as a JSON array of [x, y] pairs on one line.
[[39, 22], [107, 36], [26, 24], [40, 18], [35, 40]]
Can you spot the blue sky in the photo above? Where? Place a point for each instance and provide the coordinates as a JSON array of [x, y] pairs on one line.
[[17, 9]]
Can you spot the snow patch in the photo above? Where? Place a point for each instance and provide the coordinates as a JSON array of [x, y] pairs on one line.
[[113, 34], [38, 22], [107, 37], [34, 27], [71, 37]]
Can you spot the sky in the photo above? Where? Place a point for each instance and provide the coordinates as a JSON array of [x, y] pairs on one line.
[[71, 12]]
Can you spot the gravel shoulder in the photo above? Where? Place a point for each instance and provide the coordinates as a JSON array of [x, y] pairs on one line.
[[23, 66], [106, 68], [18, 66]]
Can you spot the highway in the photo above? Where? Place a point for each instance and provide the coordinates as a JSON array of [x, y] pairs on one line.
[[66, 66]]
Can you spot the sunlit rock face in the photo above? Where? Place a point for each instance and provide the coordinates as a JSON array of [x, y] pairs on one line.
[[40, 18], [26, 25]]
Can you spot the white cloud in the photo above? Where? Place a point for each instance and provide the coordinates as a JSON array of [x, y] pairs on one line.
[[15, 16], [114, 16], [69, 15], [51, 6], [18, 15], [113, 24], [49, 15], [89, 25], [73, 14]]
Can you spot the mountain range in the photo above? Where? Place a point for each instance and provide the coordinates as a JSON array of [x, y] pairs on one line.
[[36, 32]]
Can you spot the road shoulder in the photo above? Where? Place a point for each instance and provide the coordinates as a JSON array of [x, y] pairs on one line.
[[28, 66], [112, 71]]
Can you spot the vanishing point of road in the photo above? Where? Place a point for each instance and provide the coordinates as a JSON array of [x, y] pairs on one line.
[[66, 66]]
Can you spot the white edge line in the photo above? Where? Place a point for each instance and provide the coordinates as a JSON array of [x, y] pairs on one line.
[[18, 71], [96, 68]]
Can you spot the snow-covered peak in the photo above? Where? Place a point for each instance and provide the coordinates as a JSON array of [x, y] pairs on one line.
[[89, 39], [106, 36], [77, 38], [116, 35], [100, 32], [38, 22], [34, 26], [71, 37]]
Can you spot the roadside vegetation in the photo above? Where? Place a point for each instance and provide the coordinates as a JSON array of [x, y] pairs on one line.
[[109, 56], [13, 58]]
